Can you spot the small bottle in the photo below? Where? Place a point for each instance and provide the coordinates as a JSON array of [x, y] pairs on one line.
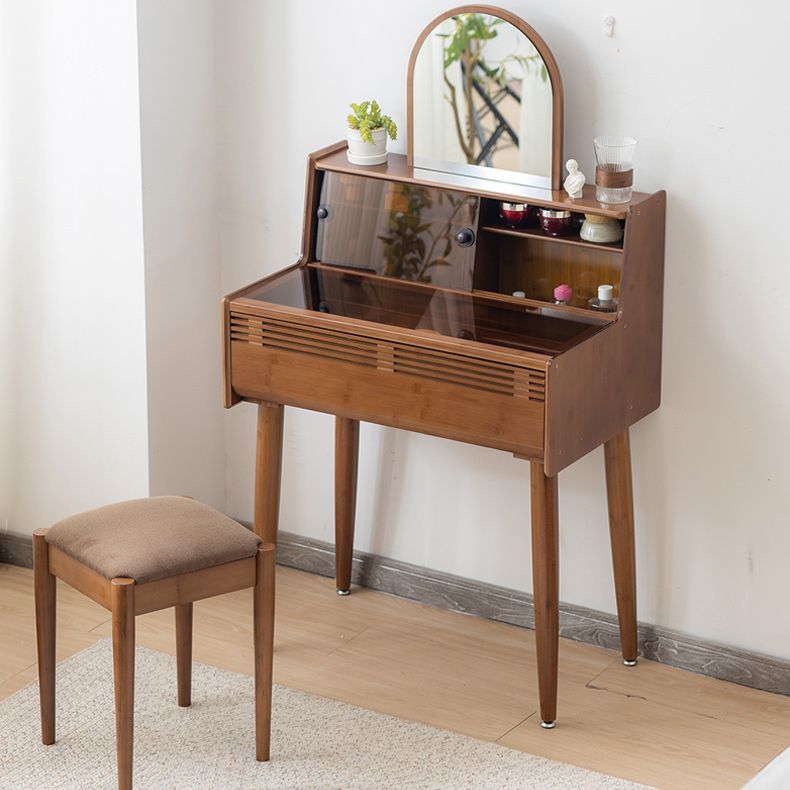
[[605, 302], [520, 294], [563, 294]]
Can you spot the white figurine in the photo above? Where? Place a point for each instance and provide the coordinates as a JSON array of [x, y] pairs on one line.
[[575, 180]]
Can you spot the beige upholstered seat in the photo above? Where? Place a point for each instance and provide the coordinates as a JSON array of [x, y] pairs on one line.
[[149, 539]]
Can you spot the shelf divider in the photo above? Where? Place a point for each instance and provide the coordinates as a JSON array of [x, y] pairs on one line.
[[538, 235]]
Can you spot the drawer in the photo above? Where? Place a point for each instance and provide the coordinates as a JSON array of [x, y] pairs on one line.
[[480, 401]]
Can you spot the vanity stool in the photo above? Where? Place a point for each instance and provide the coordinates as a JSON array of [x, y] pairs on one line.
[[141, 556]]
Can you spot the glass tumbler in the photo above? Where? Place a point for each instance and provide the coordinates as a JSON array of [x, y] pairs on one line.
[[614, 172]]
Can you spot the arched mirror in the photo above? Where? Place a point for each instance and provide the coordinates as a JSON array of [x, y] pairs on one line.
[[485, 99]]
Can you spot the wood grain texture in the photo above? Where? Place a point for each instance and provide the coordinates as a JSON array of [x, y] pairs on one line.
[[620, 497], [577, 623], [417, 338], [312, 194], [346, 459], [653, 724], [546, 586], [277, 333], [80, 577], [263, 638], [537, 269], [45, 604], [122, 592], [229, 398], [268, 469], [397, 169], [493, 224], [183, 618], [604, 385], [670, 648], [194, 586], [362, 393], [548, 59]]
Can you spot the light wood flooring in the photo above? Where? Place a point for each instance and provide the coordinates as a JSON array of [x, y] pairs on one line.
[[650, 723]]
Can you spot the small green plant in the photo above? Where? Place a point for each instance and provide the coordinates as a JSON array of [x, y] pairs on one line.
[[367, 117]]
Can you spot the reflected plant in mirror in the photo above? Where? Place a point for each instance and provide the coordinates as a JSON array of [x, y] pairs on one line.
[[485, 99], [484, 109], [413, 247]]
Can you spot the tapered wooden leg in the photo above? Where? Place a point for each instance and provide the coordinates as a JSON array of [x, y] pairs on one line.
[[263, 631], [346, 458], [619, 492], [122, 601], [184, 653], [545, 582], [268, 467], [45, 591]]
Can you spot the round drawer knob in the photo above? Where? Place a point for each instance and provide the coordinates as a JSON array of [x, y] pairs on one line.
[[465, 237]]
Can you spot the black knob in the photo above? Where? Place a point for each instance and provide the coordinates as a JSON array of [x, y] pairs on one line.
[[322, 213], [465, 237]]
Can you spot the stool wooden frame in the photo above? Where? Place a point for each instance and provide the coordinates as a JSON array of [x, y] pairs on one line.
[[125, 599]]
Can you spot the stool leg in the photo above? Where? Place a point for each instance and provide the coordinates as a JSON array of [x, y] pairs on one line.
[[545, 584], [346, 456], [263, 630], [619, 492], [184, 653], [45, 591], [123, 666], [268, 469]]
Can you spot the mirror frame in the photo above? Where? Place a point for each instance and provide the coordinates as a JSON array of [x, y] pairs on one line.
[[495, 174]]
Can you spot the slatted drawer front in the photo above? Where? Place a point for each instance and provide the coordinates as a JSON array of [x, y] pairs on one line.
[[399, 358]]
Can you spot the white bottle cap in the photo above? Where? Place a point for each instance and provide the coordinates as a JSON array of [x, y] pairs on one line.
[[605, 293], [521, 294]]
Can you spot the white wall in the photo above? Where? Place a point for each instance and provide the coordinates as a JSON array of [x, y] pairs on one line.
[[711, 469], [182, 284], [74, 431], [712, 479]]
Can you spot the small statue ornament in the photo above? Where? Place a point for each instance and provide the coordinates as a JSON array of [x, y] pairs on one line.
[[575, 180]]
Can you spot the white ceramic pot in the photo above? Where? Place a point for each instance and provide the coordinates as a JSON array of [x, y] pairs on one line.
[[363, 153], [601, 230]]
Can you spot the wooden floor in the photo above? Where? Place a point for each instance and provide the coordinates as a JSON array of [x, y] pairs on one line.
[[650, 723]]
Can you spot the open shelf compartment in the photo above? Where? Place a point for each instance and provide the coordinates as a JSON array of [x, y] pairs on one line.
[[524, 259]]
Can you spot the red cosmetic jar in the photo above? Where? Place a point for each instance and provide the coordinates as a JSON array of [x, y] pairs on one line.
[[555, 222], [516, 215]]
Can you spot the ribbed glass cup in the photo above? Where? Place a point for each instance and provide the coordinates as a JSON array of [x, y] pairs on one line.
[[614, 155]]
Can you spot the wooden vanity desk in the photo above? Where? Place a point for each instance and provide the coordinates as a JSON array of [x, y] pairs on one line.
[[545, 382], [400, 312]]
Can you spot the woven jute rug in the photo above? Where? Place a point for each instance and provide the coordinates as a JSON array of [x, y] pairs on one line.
[[316, 742]]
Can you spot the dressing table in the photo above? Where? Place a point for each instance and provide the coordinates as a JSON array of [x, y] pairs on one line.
[[400, 310]]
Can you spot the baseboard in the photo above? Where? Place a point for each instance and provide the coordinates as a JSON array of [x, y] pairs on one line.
[[511, 606], [16, 549], [458, 594]]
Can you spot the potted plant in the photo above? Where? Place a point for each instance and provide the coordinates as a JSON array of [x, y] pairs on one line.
[[367, 134]]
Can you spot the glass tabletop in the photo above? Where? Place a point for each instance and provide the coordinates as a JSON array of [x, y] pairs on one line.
[[362, 295]]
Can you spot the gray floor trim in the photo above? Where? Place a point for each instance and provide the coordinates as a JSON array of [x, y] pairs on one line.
[[16, 549], [508, 606], [511, 606]]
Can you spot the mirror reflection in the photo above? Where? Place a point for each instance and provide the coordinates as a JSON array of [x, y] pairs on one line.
[[482, 97]]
